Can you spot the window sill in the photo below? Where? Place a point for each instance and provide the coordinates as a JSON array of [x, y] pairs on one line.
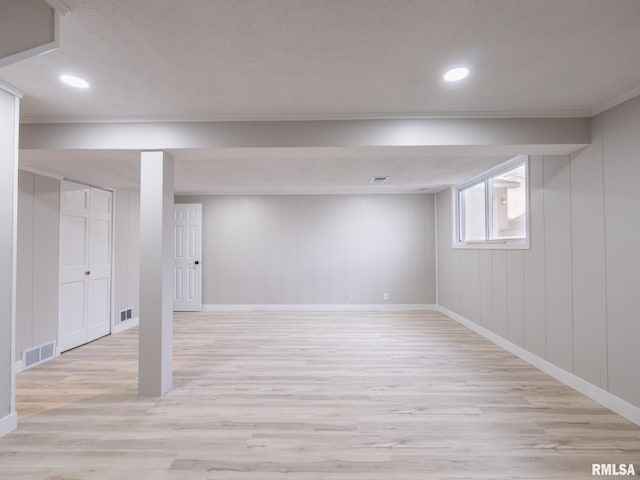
[[522, 244]]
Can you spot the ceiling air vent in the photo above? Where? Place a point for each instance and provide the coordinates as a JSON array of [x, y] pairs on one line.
[[377, 180]]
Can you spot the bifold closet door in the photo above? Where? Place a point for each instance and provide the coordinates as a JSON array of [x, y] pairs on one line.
[[85, 264]]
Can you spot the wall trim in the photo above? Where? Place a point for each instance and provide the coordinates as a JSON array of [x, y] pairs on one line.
[[124, 326], [304, 307], [11, 89], [19, 366], [604, 398], [616, 101], [8, 423], [42, 173]]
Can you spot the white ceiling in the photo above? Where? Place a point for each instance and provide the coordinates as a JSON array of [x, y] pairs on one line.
[[253, 59], [306, 59], [272, 170]]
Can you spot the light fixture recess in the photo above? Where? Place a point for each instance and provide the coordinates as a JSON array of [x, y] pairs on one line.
[[74, 81], [456, 74], [378, 180]]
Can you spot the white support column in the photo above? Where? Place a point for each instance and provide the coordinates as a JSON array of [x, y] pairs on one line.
[[9, 124], [155, 375]]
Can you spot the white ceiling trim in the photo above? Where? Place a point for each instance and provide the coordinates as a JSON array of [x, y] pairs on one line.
[[59, 6], [616, 101], [11, 89], [41, 172], [353, 190], [311, 117]]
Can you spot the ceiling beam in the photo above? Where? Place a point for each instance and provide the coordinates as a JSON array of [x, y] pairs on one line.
[[553, 135], [27, 28]]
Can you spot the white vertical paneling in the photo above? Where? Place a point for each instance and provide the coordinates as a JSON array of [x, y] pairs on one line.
[[463, 281], [121, 251], [369, 245], [455, 277], [515, 296], [321, 226], [572, 297], [429, 248], [400, 251], [313, 249], [387, 235], [133, 265], [474, 281], [621, 144], [250, 237], [354, 238], [274, 250], [557, 215], [443, 207], [220, 230], [589, 268], [534, 265], [337, 226], [257, 285], [24, 274], [410, 277], [486, 289], [290, 242], [46, 212], [499, 276], [306, 249], [37, 262]]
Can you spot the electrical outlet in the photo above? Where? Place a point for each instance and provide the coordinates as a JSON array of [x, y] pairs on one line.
[[385, 296]]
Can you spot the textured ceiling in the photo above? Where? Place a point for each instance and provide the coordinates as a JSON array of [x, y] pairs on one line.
[[272, 170], [315, 59], [248, 59]]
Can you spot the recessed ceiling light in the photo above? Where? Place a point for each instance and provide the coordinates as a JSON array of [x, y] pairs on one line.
[[74, 81], [456, 74]]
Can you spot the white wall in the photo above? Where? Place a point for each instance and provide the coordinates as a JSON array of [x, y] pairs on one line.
[[9, 107], [126, 221], [317, 249], [571, 299], [37, 272], [37, 263]]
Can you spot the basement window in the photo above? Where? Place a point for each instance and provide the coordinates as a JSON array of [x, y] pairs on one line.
[[491, 211]]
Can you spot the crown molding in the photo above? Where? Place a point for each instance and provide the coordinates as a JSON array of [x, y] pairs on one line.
[[59, 6], [305, 117], [11, 89], [616, 101]]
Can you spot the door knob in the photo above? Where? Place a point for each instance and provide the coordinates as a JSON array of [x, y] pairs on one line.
[[197, 262], [87, 273]]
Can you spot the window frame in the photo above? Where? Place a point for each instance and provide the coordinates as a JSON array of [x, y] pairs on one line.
[[486, 178]]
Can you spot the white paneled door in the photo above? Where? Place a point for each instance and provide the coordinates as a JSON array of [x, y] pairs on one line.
[[188, 258], [85, 264]]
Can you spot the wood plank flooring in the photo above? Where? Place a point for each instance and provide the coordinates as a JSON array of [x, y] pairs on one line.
[[375, 396]]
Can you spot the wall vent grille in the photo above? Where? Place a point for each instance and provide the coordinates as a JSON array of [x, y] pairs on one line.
[[126, 314], [37, 355]]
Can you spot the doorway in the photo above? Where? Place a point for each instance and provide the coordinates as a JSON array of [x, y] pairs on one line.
[[188, 258]]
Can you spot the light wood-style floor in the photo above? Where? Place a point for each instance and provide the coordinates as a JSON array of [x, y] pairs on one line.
[[375, 396]]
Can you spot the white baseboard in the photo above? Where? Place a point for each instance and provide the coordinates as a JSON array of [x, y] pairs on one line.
[[126, 325], [19, 366], [382, 307], [616, 404], [8, 424]]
